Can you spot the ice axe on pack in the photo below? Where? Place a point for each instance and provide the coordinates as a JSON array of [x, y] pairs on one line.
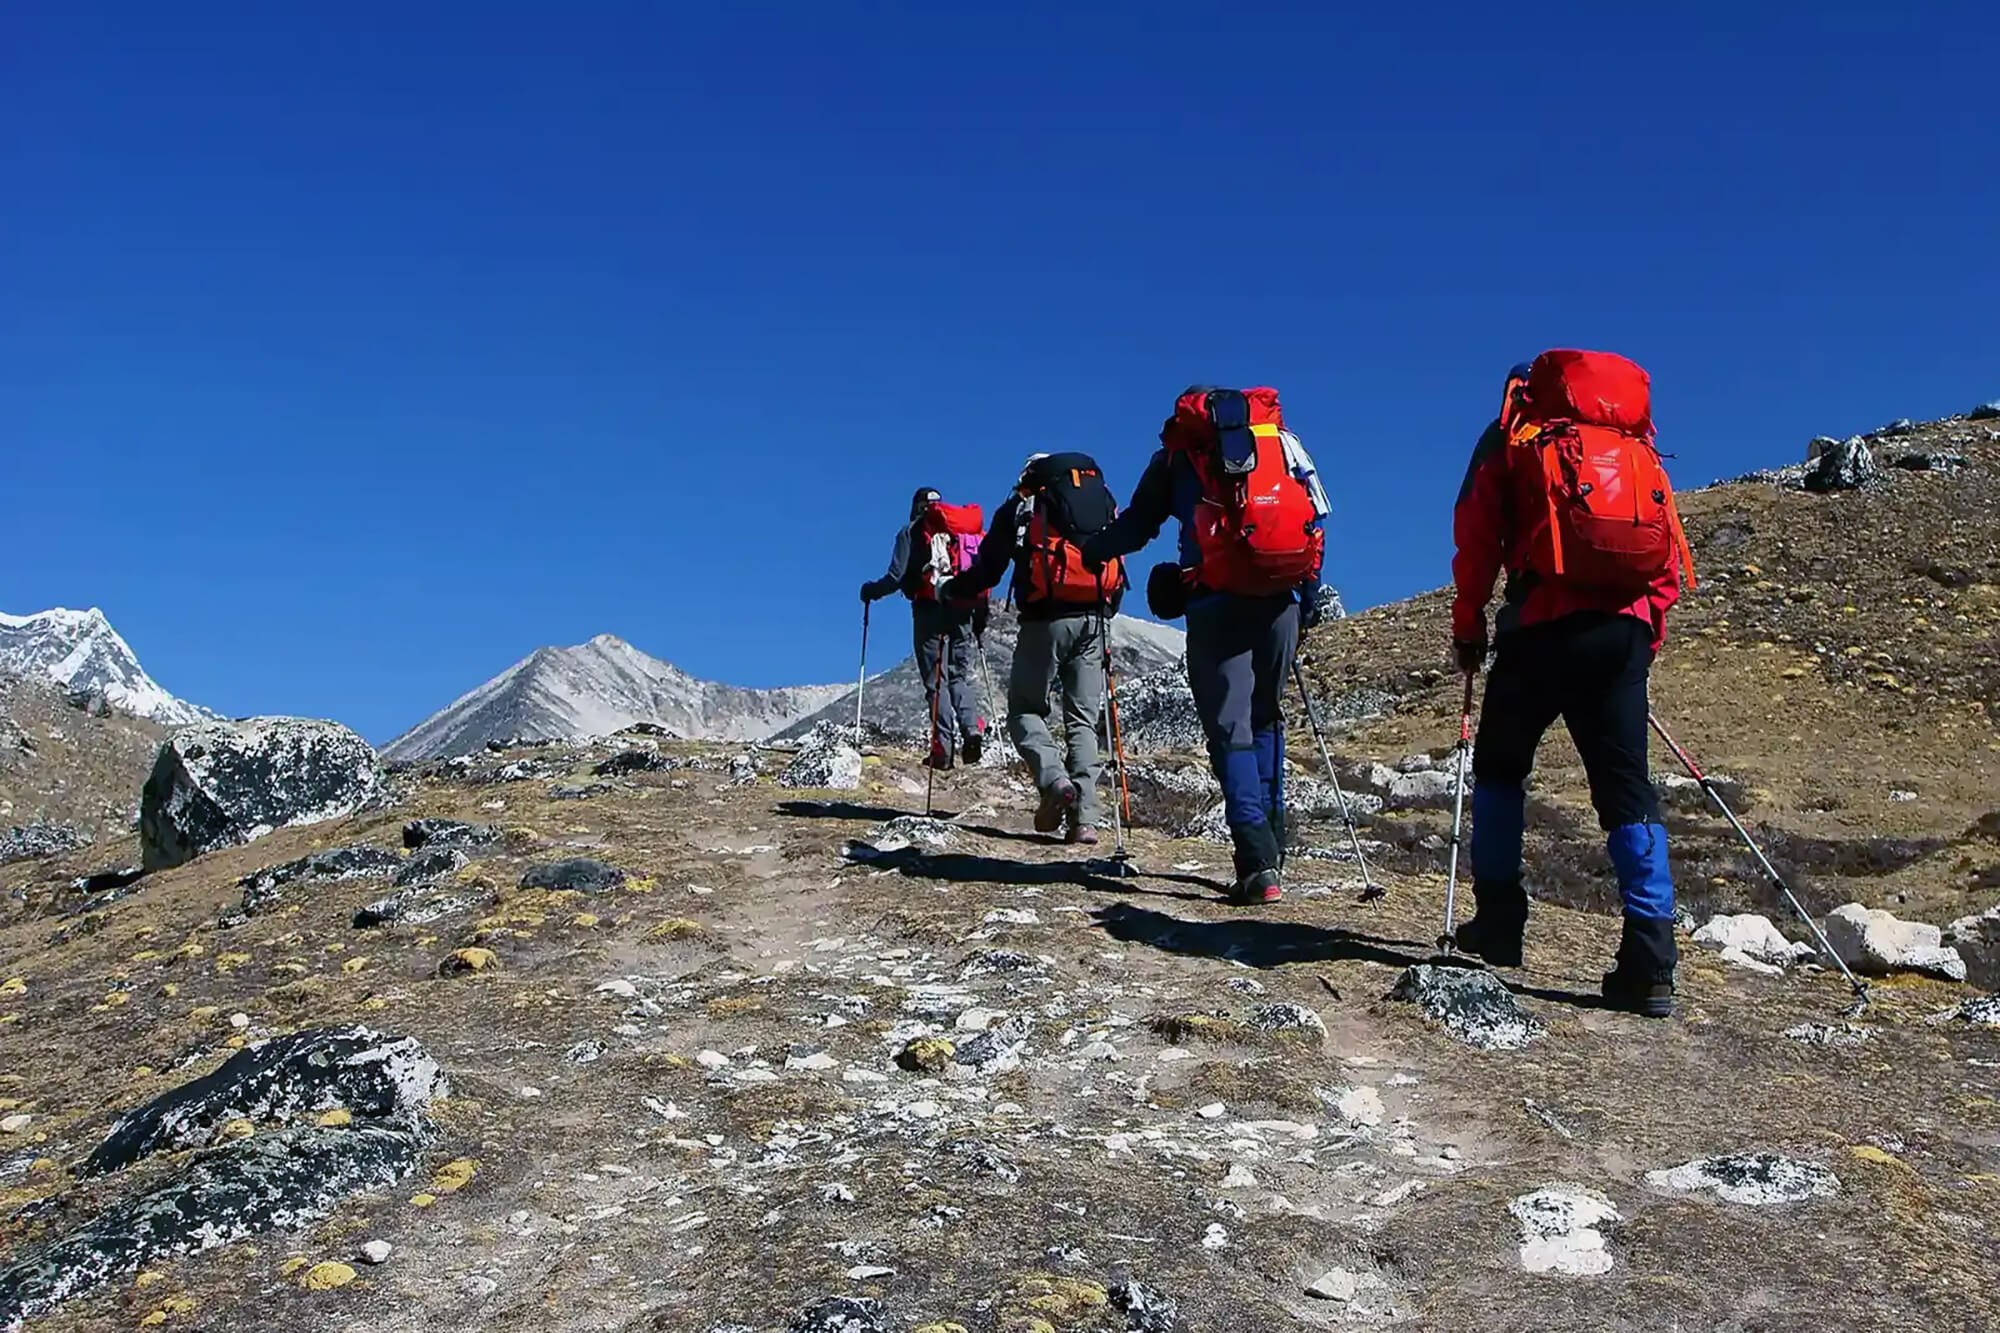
[[1370, 890], [1770, 871]]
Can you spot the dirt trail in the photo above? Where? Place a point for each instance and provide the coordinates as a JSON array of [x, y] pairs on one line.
[[686, 1104]]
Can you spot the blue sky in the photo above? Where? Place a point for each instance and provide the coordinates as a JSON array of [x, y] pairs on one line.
[[348, 355]]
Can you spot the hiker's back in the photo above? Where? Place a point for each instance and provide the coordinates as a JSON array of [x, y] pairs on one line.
[[1254, 526], [1065, 502], [1592, 509]]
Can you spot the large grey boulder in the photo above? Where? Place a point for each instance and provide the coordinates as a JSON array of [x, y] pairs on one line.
[[217, 784], [827, 760], [1977, 940], [1877, 943], [228, 1189], [1751, 941], [1847, 465]]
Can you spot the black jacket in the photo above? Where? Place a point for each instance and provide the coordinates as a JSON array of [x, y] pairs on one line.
[[900, 576]]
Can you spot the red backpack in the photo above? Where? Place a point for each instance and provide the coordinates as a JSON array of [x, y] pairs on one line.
[[1600, 511], [1256, 526], [950, 537]]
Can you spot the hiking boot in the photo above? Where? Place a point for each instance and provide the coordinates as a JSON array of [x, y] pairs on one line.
[[1495, 930], [1075, 830], [940, 756], [1633, 994], [1256, 849], [975, 745], [1643, 981], [1257, 890], [1057, 803]]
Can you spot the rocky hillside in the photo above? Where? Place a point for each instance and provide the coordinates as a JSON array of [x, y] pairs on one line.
[[70, 769], [80, 653], [573, 1040], [599, 687], [640, 1035]]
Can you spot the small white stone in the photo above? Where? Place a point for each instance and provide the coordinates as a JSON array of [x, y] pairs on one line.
[[1361, 1107], [619, 987], [1239, 1177], [14, 1124], [376, 1252], [862, 1272], [479, 1286], [1216, 1238], [1340, 1285], [239, 1021], [529, 1092], [976, 1020], [1213, 1111], [712, 1060]]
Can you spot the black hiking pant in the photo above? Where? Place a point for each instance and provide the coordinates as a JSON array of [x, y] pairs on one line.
[[944, 632], [1589, 669], [1239, 657]]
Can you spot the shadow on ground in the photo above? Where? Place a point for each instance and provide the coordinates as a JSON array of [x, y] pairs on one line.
[[1098, 875], [1271, 944]]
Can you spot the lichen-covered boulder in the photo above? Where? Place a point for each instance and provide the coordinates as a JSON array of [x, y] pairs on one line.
[[826, 760], [289, 1175], [217, 784], [1474, 1006], [1848, 465], [281, 1180], [280, 1081], [34, 841]]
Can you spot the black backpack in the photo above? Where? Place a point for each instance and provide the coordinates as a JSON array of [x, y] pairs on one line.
[[1068, 502]]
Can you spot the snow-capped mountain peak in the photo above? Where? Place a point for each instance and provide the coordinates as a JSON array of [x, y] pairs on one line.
[[597, 687], [79, 651]]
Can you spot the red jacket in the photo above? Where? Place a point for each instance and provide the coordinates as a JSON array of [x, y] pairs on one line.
[[1483, 529]]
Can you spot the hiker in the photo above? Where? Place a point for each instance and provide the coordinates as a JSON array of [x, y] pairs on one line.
[[1592, 568], [1058, 500], [1248, 589], [940, 541]]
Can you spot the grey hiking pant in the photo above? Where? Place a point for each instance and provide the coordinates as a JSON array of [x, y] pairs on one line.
[[947, 630], [1048, 652]]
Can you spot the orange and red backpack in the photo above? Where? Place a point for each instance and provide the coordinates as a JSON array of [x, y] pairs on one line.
[[948, 537], [1597, 510], [1256, 525], [1067, 501]]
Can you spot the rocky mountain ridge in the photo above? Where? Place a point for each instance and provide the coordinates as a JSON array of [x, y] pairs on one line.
[[599, 687], [80, 652]]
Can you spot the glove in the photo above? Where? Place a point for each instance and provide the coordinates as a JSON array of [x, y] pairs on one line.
[[1471, 653]]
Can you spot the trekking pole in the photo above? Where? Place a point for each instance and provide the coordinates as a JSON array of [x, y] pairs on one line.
[[1114, 741], [1770, 871], [931, 760], [861, 686], [985, 679], [1370, 890], [1448, 942]]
